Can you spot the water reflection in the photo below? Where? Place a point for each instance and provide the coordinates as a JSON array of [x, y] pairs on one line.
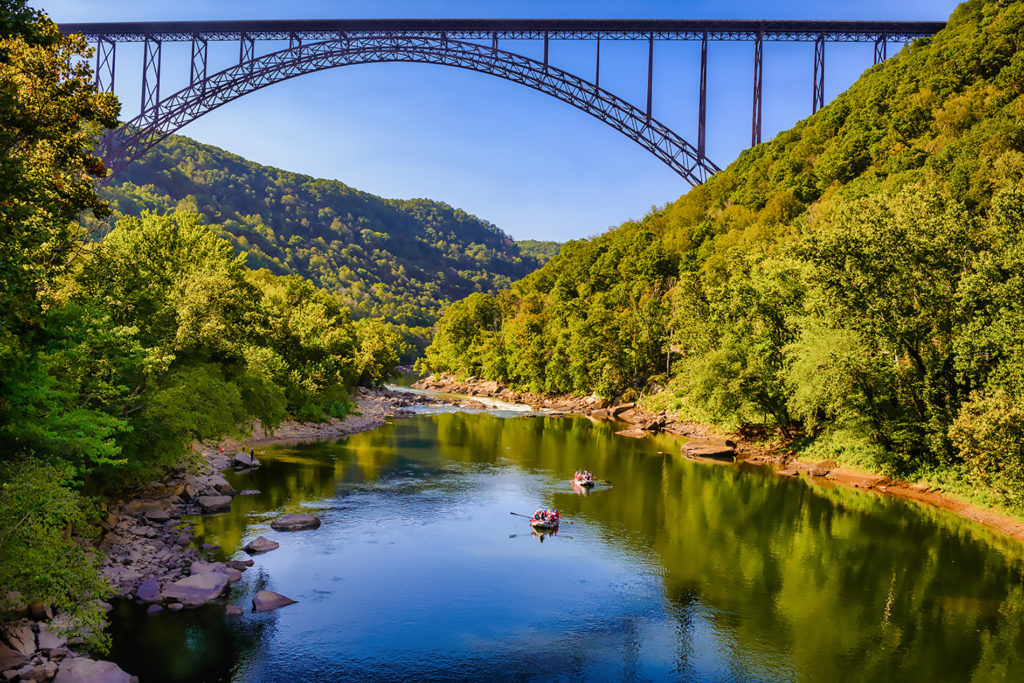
[[678, 570]]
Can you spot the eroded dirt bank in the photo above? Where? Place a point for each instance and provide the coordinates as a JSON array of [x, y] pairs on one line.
[[706, 442]]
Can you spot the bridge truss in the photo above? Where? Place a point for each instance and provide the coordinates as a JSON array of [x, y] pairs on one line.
[[315, 45]]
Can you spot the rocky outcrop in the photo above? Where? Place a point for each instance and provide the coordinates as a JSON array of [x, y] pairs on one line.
[[260, 545], [265, 601], [85, 670], [295, 522]]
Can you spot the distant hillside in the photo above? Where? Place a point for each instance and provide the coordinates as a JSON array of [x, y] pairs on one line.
[[541, 250], [398, 259]]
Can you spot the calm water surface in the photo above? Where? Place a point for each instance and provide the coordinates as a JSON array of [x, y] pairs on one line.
[[676, 570]]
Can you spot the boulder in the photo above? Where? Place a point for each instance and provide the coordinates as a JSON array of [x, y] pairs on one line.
[[49, 640], [154, 609], [295, 522], [39, 611], [10, 659], [175, 607], [265, 601], [821, 469], [20, 637], [232, 574], [233, 611], [198, 567], [222, 486], [85, 670], [148, 591], [706, 449], [214, 503], [633, 432], [249, 492], [198, 588], [240, 565], [243, 460], [261, 545], [157, 510], [219, 462]]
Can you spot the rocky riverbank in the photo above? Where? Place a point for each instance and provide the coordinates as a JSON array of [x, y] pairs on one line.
[[151, 557], [706, 443]]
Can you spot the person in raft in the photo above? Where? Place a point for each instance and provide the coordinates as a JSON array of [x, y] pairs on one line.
[[546, 515]]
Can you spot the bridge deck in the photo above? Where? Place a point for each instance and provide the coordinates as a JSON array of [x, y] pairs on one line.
[[515, 29]]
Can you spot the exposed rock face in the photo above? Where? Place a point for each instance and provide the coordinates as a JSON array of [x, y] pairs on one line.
[[20, 637], [214, 503], [264, 601], [85, 670], [197, 589], [295, 522], [10, 659], [49, 640], [261, 545]]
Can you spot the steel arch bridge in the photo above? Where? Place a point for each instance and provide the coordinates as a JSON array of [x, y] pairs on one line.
[[448, 42], [134, 138]]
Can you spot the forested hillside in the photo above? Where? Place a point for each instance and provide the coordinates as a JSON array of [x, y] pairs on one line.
[[396, 259], [855, 284], [117, 356]]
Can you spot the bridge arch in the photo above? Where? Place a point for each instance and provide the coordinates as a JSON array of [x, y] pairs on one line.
[[136, 137]]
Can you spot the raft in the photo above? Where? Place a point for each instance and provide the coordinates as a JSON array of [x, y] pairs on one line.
[[583, 482], [548, 524]]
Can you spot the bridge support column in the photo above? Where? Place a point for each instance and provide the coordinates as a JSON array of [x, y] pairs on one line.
[[818, 89], [246, 48], [650, 73], [151, 79], [197, 73], [881, 43], [597, 67], [702, 107], [545, 51], [294, 40], [755, 126], [106, 52]]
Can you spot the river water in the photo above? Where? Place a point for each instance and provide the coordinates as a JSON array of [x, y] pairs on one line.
[[674, 571]]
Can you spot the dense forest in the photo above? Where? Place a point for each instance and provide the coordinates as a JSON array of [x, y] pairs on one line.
[[400, 260], [855, 285], [117, 355]]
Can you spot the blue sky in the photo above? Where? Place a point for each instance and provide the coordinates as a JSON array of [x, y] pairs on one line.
[[534, 166]]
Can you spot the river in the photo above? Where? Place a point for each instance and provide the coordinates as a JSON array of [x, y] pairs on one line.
[[675, 570]]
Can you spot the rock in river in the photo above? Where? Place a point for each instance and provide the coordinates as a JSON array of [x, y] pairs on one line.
[[214, 503], [243, 460], [269, 600], [261, 545], [198, 588], [295, 522]]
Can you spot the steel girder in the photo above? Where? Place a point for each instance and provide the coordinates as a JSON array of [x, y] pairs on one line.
[[136, 137], [514, 29]]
